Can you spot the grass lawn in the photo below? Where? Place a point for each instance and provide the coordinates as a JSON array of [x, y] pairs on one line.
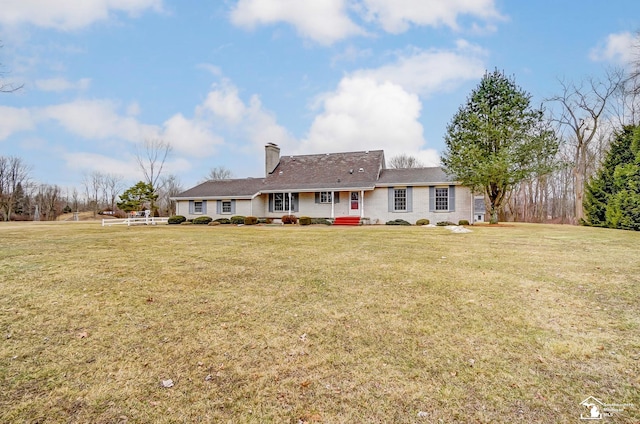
[[316, 324]]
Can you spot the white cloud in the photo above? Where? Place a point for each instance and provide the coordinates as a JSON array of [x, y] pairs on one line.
[[98, 119], [69, 14], [62, 84], [89, 162], [224, 102], [324, 21], [251, 120], [13, 120], [617, 48], [328, 21], [128, 168], [190, 136], [430, 71], [396, 16], [364, 114]]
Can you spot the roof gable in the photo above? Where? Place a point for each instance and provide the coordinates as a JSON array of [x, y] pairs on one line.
[[326, 171]]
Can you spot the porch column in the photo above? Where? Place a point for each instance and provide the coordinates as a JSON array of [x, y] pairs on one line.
[[289, 202], [361, 203], [333, 213]]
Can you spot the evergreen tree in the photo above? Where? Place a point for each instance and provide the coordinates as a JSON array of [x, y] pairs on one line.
[[612, 197], [497, 140], [136, 197]]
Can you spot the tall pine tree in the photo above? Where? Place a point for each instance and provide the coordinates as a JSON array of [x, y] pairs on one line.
[[612, 197], [497, 140]]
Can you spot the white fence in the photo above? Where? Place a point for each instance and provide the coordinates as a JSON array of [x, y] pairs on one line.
[[135, 221]]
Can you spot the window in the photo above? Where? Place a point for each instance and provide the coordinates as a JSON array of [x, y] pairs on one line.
[[442, 199], [325, 197], [226, 206], [400, 199], [281, 202], [197, 207]]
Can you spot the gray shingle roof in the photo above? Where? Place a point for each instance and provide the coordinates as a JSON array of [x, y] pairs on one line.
[[236, 188], [334, 171], [414, 176], [357, 170]]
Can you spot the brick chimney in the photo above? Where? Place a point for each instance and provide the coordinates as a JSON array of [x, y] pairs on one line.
[[271, 157]]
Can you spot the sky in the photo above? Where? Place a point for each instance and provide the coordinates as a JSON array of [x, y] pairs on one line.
[[218, 80]]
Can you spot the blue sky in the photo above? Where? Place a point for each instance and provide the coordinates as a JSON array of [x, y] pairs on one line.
[[220, 79]]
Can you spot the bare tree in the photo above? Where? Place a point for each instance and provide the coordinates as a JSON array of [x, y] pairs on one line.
[[218, 173], [49, 201], [634, 74], [8, 87], [403, 160], [14, 173], [170, 187], [151, 156], [112, 185], [93, 183], [583, 113]]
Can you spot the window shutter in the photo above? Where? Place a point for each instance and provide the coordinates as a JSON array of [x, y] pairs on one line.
[[336, 197], [390, 192], [317, 197], [452, 198], [270, 202], [432, 199], [294, 202], [409, 199], [191, 206], [233, 207], [204, 207], [218, 207]]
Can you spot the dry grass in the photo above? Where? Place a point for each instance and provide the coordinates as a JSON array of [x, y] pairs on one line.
[[316, 324]]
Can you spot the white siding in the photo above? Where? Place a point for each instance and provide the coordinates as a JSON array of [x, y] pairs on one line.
[[376, 207], [375, 204]]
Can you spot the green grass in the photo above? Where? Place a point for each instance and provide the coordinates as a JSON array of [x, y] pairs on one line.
[[316, 324]]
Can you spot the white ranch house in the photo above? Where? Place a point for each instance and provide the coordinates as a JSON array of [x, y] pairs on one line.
[[333, 185]]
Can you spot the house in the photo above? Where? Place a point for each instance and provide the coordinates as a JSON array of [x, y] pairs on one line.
[[333, 185]]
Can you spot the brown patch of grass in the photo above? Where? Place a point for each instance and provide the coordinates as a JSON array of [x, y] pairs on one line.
[[316, 324]]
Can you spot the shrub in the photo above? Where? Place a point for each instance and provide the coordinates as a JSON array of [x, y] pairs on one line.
[[289, 219], [305, 220], [238, 219], [223, 221], [265, 220], [463, 222], [213, 223], [398, 222], [444, 223], [320, 221], [188, 222], [250, 220], [202, 220], [423, 221], [176, 219]]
